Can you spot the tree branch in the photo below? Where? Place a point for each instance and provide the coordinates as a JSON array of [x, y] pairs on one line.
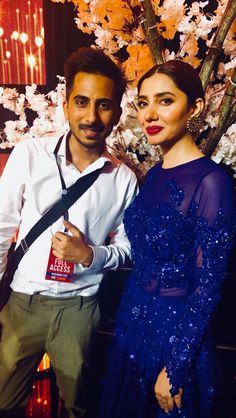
[[226, 116], [154, 39], [215, 49]]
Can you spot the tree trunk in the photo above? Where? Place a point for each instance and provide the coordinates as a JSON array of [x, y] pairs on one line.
[[226, 116], [154, 40], [215, 49]]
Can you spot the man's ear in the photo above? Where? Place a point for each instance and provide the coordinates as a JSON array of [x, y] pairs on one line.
[[65, 109], [198, 107]]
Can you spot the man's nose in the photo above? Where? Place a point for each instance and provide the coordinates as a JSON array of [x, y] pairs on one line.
[[91, 114]]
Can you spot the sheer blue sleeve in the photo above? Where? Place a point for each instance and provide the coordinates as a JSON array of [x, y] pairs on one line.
[[213, 220]]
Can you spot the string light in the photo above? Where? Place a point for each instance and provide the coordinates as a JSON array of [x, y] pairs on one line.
[[23, 37], [15, 35], [38, 41], [25, 48], [31, 60]]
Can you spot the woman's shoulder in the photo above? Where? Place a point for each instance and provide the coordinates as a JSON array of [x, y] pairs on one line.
[[214, 174]]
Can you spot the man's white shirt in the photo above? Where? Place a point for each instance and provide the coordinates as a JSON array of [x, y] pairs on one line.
[[31, 184]]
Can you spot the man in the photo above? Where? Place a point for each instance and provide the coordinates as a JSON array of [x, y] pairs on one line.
[[45, 314]]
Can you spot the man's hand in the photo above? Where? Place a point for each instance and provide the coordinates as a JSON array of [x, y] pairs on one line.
[[163, 395], [72, 248]]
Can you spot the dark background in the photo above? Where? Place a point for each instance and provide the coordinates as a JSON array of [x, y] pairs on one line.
[[61, 38]]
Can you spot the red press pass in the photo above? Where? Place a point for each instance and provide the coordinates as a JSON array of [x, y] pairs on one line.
[[59, 270]]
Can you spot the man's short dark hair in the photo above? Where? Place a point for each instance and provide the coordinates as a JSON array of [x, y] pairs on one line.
[[93, 61]]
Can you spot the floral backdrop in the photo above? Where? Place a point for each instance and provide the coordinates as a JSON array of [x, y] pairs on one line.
[[137, 33]]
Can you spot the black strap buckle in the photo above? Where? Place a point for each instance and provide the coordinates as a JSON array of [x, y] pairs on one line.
[[24, 246]]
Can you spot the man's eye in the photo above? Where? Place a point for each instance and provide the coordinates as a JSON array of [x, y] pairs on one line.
[[80, 102], [105, 106]]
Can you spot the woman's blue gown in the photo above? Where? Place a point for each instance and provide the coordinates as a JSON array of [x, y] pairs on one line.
[[181, 231]]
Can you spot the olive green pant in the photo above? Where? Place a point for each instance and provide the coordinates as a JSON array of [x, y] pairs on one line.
[[63, 328]]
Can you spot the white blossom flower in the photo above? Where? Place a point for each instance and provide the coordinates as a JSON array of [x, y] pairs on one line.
[[225, 151], [14, 129], [230, 65]]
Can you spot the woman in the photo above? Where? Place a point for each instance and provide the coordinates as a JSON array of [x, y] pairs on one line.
[[162, 361]]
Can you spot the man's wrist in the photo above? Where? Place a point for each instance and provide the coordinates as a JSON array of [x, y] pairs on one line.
[[89, 258]]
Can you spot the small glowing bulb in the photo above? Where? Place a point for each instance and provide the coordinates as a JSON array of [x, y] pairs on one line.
[[8, 54], [38, 41], [31, 60], [15, 35], [1, 32], [23, 37]]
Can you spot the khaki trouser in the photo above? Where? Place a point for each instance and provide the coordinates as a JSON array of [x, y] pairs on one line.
[[33, 325]]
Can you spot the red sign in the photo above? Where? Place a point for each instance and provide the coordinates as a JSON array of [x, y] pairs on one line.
[[59, 270]]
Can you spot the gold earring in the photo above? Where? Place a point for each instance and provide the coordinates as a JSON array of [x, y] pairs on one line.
[[195, 124]]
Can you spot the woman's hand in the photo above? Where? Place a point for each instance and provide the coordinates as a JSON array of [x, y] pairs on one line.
[[163, 395]]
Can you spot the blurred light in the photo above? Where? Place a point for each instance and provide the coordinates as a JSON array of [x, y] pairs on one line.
[[8, 54], [15, 35], [38, 41], [1, 32], [23, 37], [31, 60]]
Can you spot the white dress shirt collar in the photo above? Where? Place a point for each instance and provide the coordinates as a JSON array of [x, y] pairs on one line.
[[100, 162]]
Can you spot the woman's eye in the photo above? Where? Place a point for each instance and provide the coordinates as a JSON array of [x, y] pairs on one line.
[[166, 101], [141, 104]]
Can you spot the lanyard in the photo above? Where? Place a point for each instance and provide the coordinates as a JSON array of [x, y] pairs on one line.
[[63, 184]]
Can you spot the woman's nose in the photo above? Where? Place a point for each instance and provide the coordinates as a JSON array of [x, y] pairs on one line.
[[151, 113]]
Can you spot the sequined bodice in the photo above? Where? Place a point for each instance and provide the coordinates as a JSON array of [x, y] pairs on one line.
[[162, 238]]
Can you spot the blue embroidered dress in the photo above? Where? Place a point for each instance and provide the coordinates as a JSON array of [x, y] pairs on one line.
[[181, 230]]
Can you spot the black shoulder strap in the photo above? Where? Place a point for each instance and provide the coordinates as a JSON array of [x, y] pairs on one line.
[[55, 212]]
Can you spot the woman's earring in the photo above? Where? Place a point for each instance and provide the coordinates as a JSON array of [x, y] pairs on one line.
[[195, 124]]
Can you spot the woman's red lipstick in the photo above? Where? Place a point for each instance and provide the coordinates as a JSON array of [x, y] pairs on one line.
[[153, 130]]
